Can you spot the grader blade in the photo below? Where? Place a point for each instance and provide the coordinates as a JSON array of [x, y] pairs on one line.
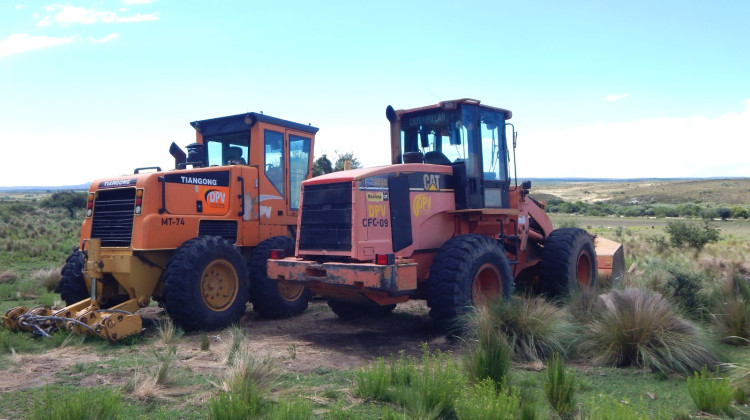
[[610, 260]]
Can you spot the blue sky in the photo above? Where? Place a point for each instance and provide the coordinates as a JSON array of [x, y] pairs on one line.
[[92, 89]]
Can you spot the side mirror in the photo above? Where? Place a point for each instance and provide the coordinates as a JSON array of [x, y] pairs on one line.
[[390, 113], [526, 185]]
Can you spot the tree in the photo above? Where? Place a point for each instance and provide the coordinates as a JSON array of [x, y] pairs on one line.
[[69, 200], [724, 212], [322, 165], [343, 157], [684, 233]]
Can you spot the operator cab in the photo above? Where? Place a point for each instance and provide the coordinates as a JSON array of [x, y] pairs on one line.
[[464, 134]]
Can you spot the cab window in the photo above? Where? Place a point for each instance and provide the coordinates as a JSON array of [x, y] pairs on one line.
[[228, 149], [274, 159], [299, 156]]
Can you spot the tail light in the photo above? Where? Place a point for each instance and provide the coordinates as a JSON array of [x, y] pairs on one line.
[[90, 205], [385, 259], [278, 254], [138, 201]]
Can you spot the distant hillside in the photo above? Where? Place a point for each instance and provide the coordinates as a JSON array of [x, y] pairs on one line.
[[80, 187], [720, 191]]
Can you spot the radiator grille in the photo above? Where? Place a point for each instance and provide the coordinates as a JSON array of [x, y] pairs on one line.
[[113, 216], [326, 217], [227, 229]]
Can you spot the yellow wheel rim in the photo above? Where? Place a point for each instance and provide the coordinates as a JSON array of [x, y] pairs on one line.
[[290, 292], [219, 284]]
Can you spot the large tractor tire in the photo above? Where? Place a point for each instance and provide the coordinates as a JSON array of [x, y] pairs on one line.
[[72, 285], [467, 270], [271, 298], [350, 310], [206, 284], [568, 262]]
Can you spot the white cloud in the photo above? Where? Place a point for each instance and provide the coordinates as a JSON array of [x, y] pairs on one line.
[[107, 38], [615, 97], [67, 14], [694, 146], [16, 43], [138, 1]]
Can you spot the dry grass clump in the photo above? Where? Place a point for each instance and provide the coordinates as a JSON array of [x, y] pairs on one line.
[[7, 277], [49, 278], [637, 327], [534, 328]]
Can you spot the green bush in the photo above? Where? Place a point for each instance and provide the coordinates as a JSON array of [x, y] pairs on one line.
[[292, 409], [711, 393], [685, 288], [637, 327], [683, 233], [485, 400], [559, 386]]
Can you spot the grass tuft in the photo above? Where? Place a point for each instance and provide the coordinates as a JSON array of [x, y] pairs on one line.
[[7, 277], [637, 327], [490, 355], [486, 400], [710, 393], [534, 328], [85, 404], [559, 386]]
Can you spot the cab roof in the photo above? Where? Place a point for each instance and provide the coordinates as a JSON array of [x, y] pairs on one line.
[[244, 122]]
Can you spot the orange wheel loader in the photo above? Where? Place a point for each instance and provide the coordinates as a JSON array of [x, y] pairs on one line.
[[444, 222], [195, 239]]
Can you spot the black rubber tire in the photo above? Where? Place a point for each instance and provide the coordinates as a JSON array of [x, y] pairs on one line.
[[568, 262], [350, 310], [267, 296], [459, 262], [72, 286], [189, 274]]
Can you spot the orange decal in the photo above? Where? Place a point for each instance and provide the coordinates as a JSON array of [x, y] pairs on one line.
[[421, 203]]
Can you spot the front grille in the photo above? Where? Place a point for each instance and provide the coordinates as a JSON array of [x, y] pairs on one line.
[[227, 229], [113, 216], [326, 217]]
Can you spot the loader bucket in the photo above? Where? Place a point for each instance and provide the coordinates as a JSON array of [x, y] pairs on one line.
[[84, 317], [610, 260]]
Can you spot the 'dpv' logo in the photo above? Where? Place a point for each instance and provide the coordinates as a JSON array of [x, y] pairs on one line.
[[421, 203], [215, 197]]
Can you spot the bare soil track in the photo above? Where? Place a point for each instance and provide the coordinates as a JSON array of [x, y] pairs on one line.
[[313, 341]]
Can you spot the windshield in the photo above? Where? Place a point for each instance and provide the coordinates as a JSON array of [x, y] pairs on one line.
[[228, 149], [442, 137]]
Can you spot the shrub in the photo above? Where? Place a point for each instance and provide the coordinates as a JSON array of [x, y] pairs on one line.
[[724, 212], [559, 386], [485, 400], [534, 328], [636, 327], [740, 212], [685, 288], [709, 393], [683, 233]]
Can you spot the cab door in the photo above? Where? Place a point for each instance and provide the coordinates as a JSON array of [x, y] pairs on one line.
[[286, 163]]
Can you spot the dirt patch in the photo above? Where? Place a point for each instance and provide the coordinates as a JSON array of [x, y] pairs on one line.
[[316, 340]]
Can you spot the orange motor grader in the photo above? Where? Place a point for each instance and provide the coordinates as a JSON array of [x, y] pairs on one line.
[[443, 223], [195, 239]]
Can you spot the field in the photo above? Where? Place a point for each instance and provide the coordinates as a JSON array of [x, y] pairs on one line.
[[317, 366]]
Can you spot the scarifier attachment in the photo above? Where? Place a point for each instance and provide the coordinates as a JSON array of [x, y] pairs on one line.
[[81, 318], [610, 259]]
